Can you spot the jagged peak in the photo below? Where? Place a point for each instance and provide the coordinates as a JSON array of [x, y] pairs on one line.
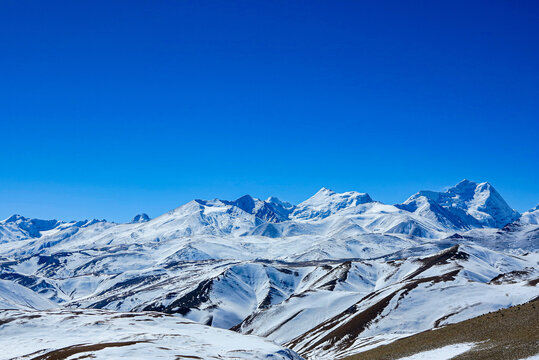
[[276, 201], [466, 182], [245, 197], [325, 190], [477, 204], [469, 187], [15, 217], [246, 203]]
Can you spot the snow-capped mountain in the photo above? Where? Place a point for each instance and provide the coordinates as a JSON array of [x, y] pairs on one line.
[[334, 275], [425, 207], [327, 202], [18, 227], [468, 205]]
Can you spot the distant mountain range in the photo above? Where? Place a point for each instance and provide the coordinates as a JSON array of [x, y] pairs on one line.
[[334, 275], [427, 214]]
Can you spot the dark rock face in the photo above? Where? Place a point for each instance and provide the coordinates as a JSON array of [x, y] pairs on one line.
[[140, 218], [272, 210]]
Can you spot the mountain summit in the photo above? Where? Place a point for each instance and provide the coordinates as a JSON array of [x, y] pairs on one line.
[[469, 204], [270, 210], [140, 218], [327, 202]]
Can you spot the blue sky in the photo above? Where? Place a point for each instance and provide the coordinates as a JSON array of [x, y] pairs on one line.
[[108, 109]]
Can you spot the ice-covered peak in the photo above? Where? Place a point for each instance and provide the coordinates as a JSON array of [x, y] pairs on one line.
[[247, 203], [140, 218], [473, 204], [271, 210], [325, 195], [18, 226], [465, 183], [14, 218], [327, 202], [424, 206], [277, 201], [324, 191]]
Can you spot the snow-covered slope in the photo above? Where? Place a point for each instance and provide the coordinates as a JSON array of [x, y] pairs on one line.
[[16, 296], [420, 293], [530, 217], [98, 334], [287, 301]]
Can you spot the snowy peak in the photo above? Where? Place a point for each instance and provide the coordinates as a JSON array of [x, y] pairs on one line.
[[470, 205], [277, 202], [327, 202], [140, 218], [425, 207], [15, 218], [202, 217], [271, 210], [246, 203], [483, 203], [18, 226]]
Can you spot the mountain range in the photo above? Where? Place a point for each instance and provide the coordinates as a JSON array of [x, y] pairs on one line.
[[335, 275]]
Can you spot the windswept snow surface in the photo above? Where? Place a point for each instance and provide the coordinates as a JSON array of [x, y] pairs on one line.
[[99, 334], [530, 217], [337, 274], [444, 353]]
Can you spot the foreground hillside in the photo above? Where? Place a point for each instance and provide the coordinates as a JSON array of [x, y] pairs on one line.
[[97, 334], [508, 334]]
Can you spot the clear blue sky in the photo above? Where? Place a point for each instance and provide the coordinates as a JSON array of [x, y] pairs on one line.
[[111, 108]]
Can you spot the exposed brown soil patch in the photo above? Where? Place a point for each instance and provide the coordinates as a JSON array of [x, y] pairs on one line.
[[509, 277], [442, 258], [26, 317], [66, 352]]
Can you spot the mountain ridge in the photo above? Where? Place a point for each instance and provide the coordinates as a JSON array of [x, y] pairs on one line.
[[464, 206]]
